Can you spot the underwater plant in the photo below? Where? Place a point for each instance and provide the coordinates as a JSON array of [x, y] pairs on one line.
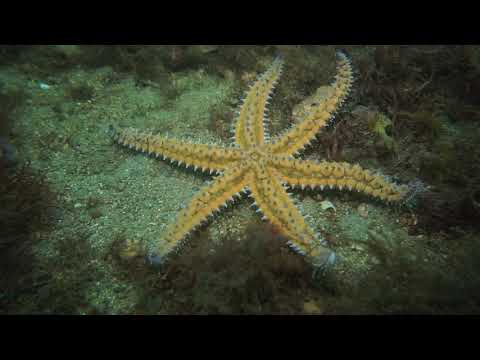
[[380, 125]]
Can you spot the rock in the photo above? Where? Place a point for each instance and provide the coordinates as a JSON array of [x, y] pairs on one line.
[[356, 247], [205, 49], [326, 205], [362, 210]]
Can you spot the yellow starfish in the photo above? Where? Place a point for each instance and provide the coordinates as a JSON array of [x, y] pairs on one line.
[[264, 168]]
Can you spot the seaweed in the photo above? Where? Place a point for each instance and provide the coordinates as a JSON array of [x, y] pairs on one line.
[[80, 92], [9, 54], [380, 125], [405, 282], [28, 207], [257, 275], [11, 99], [446, 210], [428, 123]]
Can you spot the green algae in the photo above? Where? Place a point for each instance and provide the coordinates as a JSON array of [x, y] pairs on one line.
[[379, 125]]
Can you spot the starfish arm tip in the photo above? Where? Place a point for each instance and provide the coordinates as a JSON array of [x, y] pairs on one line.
[[325, 260], [155, 259]]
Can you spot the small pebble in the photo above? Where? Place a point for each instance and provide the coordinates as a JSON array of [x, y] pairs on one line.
[[326, 205], [363, 210], [356, 247]]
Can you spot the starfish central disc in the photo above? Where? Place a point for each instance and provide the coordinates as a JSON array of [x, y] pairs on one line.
[[256, 156]]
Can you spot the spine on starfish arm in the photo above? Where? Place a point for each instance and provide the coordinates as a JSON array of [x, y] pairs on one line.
[[199, 156], [299, 136]]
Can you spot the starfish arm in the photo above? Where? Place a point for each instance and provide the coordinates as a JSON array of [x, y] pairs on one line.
[[250, 130], [300, 135], [203, 156], [203, 205], [277, 206], [338, 175]]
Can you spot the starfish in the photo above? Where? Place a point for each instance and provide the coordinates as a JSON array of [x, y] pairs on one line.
[[265, 168]]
